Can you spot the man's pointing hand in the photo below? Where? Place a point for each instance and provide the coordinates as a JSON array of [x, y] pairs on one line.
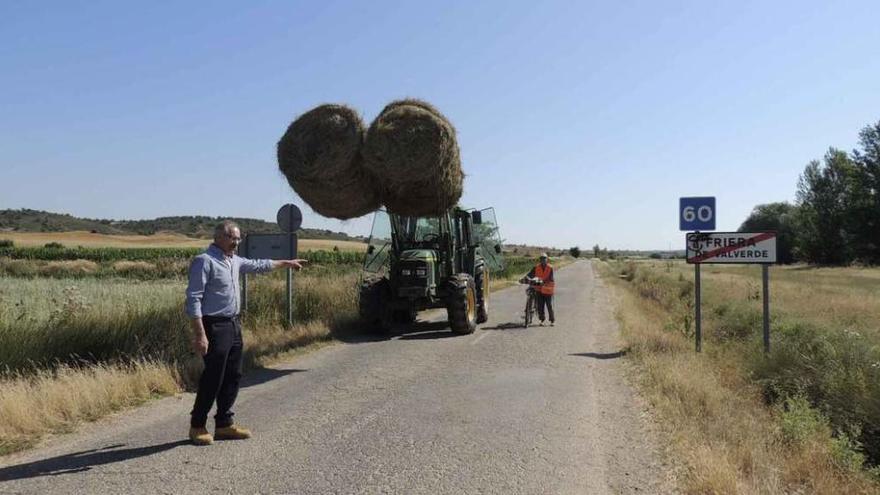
[[296, 264]]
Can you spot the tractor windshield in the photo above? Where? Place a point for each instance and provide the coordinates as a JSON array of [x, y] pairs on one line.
[[419, 231], [380, 243], [487, 235]]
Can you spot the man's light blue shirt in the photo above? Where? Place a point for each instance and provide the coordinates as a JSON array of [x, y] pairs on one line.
[[214, 287]]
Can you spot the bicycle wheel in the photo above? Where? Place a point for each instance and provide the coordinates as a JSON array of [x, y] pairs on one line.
[[529, 309]]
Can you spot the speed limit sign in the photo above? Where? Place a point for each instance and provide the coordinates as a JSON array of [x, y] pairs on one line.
[[696, 213]]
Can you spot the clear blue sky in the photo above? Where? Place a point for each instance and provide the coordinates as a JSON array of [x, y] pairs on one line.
[[580, 123]]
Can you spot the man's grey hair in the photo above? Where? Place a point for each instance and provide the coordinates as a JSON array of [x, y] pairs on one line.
[[224, 227]]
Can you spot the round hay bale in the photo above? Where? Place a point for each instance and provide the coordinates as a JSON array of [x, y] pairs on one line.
[[320, 155], [342, 197], [414, 102], [412, 151]]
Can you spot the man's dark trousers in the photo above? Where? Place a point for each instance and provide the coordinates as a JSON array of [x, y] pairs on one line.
[[543, 299], [222, 372]]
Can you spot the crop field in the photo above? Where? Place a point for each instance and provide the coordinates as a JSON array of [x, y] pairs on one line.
[[803, 418], [834, 298], [165, 240]]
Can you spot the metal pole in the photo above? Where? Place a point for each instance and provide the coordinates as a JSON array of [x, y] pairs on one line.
[[244, 300], [290, 230], [290, 271], [289, 290], [766, 276], [697, 309]]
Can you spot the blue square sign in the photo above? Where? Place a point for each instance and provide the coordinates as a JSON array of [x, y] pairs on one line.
[[696, 213]]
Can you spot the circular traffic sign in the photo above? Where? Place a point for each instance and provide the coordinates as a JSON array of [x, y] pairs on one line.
[[289, 218]]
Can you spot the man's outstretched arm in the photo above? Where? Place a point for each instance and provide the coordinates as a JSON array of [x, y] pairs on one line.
[[296, 264]]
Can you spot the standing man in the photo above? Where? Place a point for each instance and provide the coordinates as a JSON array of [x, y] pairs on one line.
[[212, 304], [544, 292]]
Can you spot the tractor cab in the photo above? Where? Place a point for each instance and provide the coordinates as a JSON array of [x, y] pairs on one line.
[[416, 263]]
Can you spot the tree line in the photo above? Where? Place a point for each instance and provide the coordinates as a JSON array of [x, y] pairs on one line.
[[835, 219], [27, 220]]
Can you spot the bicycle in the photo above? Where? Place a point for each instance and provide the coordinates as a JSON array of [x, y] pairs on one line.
[[529, 314]]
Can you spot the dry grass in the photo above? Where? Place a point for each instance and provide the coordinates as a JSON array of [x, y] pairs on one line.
[[134, 268], [86, 239], [269, 344], [834, 297], [328, 245], [32, 406], [165, 240], [724, 436], [45, 322], [55, 402], [69, 268]]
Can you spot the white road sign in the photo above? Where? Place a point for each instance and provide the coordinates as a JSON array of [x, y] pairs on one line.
[[270, 246], [731, 247]]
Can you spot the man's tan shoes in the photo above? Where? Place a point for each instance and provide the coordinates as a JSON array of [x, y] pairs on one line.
[[232, 432], [200, 436]]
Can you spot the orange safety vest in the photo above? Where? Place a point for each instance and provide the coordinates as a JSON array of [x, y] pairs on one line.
[[544, 274]]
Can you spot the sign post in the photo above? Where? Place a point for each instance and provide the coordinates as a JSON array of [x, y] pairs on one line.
[[698, 316], [697, 213], [275, 247], [734, 248], [289, 218], [765, 275]]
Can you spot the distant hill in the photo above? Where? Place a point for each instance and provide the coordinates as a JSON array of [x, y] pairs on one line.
[[26, 220]]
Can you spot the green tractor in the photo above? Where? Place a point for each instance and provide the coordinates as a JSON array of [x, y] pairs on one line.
[[417, 263]]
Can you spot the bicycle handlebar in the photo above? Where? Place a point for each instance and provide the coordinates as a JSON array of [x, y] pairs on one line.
[[533, 281]]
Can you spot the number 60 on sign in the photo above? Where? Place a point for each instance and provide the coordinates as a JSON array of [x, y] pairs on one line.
[[696, 213]]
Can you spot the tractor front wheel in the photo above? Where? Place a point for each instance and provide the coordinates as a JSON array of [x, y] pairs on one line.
[[482, 284], [373, 303], [462, 306]]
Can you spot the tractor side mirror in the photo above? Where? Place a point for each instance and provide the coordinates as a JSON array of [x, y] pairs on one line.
[[498, 248], [370, 249], [477, 217]]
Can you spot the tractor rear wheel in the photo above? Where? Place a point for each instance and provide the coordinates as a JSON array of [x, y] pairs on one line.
[[462, 306]]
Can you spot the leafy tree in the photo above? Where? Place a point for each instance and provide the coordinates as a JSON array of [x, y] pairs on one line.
[[575, 252], [780, 217], [864, 218], [596, 251], [824, 195]]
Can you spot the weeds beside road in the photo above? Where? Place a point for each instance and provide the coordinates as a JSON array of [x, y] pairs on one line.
[[803, 418]]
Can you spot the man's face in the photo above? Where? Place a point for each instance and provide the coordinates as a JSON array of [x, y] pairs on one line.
[[544, 261], [229, 241]]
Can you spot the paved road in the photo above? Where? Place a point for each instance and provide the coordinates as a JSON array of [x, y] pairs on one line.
[[505, 410]]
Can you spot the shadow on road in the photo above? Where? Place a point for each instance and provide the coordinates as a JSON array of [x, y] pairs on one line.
[[598, 355], [357, 334], [506, 326], [82, 461], [262, 375], [426, 330], [428, 335]]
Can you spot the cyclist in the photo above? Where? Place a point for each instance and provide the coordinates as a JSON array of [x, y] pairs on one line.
[[544, 292]]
